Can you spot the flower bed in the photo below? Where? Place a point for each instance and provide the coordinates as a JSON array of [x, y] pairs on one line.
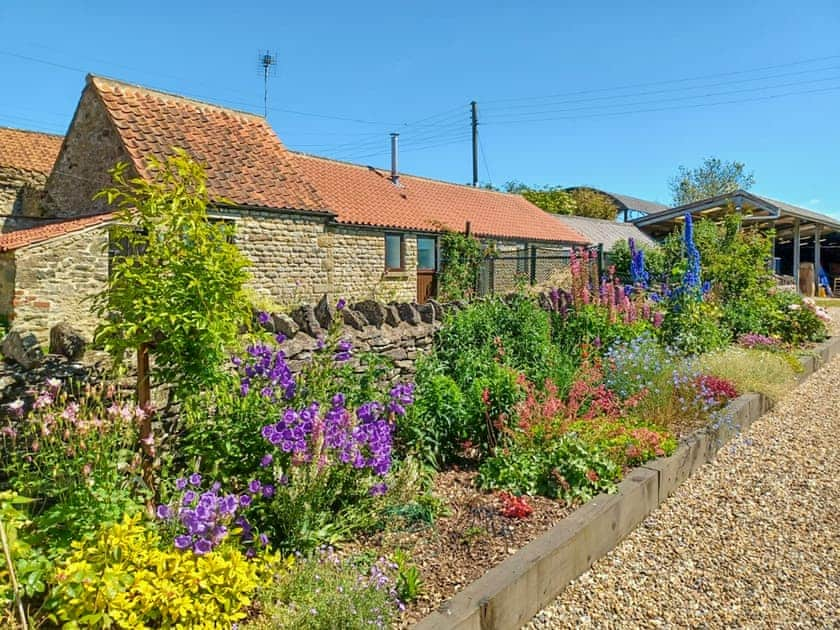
[[335, 496]]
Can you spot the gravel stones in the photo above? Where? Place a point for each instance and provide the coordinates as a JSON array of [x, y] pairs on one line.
[[751, 540]]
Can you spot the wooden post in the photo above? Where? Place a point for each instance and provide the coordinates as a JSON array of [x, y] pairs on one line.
[[144, 399], [797, 252], [817, 232]]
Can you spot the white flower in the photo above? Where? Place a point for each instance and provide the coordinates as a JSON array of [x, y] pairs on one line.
[[794, 307]]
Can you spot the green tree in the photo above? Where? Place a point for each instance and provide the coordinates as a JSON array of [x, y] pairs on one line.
[[550, 198], [713, 177], [177, 283], [593, 204]]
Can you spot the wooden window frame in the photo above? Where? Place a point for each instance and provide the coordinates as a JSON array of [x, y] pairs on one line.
[[401, 236]]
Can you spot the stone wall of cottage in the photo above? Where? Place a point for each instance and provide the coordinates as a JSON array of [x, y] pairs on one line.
[[297, 258], [357, 266], [288, 253], [91, 148], [49, 282]]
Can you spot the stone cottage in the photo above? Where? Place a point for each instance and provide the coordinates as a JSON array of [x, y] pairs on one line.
[[310, 226], [26, 159]]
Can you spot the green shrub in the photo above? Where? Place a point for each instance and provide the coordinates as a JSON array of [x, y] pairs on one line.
[[628, 443], [566, 467], [795, 320], [326, 592], [694, 326], [436, 426]]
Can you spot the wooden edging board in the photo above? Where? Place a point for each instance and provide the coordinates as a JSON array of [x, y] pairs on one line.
[[507, 596]]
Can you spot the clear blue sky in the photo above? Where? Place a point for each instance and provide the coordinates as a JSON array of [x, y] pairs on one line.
[[569, 93]]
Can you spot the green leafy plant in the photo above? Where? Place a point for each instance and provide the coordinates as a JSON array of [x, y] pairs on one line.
[[177, 283], [462, 256], [409, 580]]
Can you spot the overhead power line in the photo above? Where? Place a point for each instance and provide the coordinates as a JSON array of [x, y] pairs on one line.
[[663, 82]]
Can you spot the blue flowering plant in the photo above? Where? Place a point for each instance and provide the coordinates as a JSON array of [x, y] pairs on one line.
[[223, 434], [199, 518], [320, 437]]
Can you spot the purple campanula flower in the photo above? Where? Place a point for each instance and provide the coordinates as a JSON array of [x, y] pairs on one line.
[[195, 479], [189, 497], [267, 458], [180, 483], [264, 540], [263, 318], [341, 304], [268, 491], [254, 485], [183, 542], [244, 500], [202, 546], [163, 512]]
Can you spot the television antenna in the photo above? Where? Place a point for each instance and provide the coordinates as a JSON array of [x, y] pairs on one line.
[[267, 64]]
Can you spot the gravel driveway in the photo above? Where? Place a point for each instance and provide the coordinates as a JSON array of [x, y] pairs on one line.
[[752, 540]]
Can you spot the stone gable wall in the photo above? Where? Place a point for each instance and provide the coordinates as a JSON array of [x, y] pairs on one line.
[[91, 148]]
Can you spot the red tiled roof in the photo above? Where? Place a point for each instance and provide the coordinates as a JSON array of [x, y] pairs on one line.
[[23, 238], [28, 150], [246, 162], [364, 195]]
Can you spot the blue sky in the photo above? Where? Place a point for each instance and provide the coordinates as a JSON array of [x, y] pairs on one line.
[[611, 94]]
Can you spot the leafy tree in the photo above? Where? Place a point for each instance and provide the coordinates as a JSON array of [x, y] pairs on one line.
[[713, 177], [176, 284], [552, 199], [591, 203]]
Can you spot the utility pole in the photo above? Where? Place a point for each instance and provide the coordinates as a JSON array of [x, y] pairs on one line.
[[474, 109]]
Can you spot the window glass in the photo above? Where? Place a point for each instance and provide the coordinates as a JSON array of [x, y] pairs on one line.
[[393, 251], [425, 253]]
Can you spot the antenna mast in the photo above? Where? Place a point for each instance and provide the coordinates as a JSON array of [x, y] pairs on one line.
[[267, 63]]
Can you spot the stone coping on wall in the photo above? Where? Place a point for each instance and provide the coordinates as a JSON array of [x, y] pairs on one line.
[[508, 596]]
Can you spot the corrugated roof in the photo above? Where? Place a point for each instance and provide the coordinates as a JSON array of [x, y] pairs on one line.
[[28, 150], [363, 195], [606, 232], [245, 161], [23, 238]]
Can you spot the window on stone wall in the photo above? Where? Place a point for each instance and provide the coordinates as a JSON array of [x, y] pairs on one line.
[[426, 253], [394, 252]]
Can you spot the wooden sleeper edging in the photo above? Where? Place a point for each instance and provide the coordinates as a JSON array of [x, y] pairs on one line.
[[511, 593]]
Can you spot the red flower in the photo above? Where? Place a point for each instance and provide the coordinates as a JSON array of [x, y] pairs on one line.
[[514, 507]]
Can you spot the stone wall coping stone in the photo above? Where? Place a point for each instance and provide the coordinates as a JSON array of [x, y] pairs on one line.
[[511, 593]]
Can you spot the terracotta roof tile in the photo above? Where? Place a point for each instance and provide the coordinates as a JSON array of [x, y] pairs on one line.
[[364, 195], [22, 238], [246, 162], [28, 150]]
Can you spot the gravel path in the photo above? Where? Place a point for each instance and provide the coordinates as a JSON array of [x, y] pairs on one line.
[[752, 540]]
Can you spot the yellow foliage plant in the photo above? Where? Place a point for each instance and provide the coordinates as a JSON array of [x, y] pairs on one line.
[[124, 579]]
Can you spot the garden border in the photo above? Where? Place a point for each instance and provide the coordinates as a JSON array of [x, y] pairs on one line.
[[511, 593]]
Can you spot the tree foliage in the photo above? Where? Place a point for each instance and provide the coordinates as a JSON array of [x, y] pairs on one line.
[[582, 202], [177, 282], [552, 199], [713, 177], [593, 204]]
